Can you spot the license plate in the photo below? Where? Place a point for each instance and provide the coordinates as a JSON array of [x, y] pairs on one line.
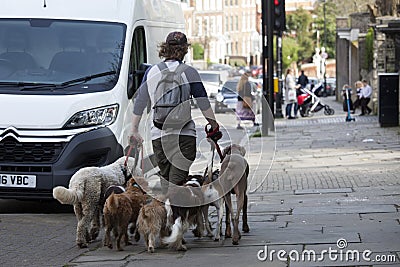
[[17, 180]]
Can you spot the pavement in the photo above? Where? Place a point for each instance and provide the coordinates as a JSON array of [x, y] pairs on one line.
[[322, 192]]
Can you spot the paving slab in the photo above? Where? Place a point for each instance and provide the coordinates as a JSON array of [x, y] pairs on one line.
[[204, 257], [322, 191], [321, 219], [348, 209]]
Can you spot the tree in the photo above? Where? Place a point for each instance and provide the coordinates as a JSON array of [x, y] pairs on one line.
[[326, 20], [290, 50], [299, 25], [198, 51]]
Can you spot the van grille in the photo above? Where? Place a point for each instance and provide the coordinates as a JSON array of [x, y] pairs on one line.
[[13, 151]]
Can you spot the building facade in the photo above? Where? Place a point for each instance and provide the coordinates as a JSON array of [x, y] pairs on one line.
[[224, 28]]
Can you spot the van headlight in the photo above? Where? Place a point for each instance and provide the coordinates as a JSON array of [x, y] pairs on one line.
[[219, 97], [97, 116]]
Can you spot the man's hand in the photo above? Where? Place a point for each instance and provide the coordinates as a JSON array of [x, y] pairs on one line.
[[213, 132], [135, 139]]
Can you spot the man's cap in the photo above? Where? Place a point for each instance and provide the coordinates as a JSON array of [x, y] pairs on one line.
[[176, 38]]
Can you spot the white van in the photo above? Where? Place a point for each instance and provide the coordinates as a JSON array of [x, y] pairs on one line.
[[68, 73]]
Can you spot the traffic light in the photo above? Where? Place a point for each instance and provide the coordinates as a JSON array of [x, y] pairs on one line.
[[279, 16]]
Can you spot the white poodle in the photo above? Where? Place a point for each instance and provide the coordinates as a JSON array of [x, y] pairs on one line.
[[86, 188]]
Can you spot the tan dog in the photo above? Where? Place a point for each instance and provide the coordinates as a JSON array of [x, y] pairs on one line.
[[120, 210], [233, 174], [213, 194], [152, 223]]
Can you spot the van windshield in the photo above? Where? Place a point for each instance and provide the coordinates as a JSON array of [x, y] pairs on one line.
[[35, 52]]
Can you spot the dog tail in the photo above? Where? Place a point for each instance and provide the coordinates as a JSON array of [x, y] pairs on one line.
[[176, 234], [112, 203], [66, 195]]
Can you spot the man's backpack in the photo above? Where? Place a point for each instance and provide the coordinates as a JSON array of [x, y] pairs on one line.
[[172, 99]]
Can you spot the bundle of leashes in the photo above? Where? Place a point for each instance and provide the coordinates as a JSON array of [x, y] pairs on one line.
[[214, 135], [133, 144]]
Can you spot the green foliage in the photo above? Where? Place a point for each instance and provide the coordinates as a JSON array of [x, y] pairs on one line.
[[369, 49], [299, 25], [290, 49], [198, 51], [326, 20]]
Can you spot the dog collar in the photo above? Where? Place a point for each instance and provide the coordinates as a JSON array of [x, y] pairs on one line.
[[193, 183]]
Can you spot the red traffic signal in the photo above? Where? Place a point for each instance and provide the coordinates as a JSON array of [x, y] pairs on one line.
[[279, 16]]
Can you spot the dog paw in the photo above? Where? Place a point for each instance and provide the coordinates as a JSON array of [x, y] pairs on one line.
[[235, 242], [228, 234], [181, 248], [197, 233], [246, 228], [82, 245], [137, 236], [150, 249]]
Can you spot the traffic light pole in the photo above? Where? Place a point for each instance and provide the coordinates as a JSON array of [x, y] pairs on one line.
[[268, 65], [278, 113]]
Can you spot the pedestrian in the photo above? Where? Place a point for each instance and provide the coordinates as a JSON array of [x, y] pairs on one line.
[[357, 103], [244, 104], [303, 79], [350, 104], [366, 93], [174, 148], [290, 94]]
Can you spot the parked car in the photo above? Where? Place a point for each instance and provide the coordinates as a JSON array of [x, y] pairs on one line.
[[331, 86], [227, 97], [212, 81]]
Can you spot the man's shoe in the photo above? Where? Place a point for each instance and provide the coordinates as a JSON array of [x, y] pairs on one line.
[[239, 127], [291, 118], [362, 114]]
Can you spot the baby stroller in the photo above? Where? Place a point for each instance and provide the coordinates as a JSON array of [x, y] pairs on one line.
[[309, 103]]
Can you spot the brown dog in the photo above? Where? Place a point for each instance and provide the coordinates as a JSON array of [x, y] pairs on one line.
[[120, 210], [152, 223], [233, 174]]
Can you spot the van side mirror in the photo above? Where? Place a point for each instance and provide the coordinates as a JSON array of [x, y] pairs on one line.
[[135, 79]]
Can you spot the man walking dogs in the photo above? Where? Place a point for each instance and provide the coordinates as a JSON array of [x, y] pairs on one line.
[[366, 93], [168, 87]]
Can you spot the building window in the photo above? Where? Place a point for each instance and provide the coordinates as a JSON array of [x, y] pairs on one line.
[[236, 23], [219, 4], [200, 26], [206, 4], [199, 5], [219, 25]]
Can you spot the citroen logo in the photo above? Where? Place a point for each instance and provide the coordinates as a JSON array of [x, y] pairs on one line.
[[9, 132]]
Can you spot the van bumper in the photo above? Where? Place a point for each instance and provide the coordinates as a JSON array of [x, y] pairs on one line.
[[97, 147]]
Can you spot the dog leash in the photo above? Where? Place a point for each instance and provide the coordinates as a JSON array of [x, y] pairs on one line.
[[209, 171], [210, 132], [133, 144]]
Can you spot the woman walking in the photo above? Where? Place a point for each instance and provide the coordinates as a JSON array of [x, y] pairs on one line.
[[245, 101]]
